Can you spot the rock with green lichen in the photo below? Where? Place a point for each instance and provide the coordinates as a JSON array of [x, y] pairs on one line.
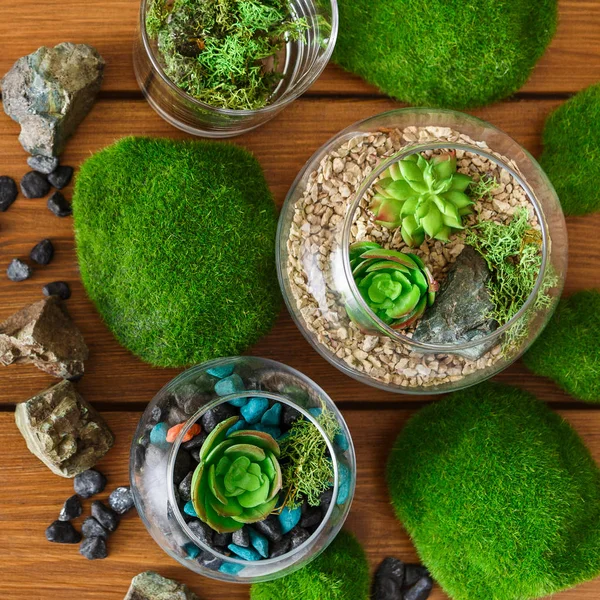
[[152, 586]]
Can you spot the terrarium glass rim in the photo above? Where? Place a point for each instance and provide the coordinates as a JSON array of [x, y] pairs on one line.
[[282, 101], [194, 418], [349, 220]]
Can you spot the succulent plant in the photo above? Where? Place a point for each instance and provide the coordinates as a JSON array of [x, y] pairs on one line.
[[238, 478], [424, 197], [397, 286]]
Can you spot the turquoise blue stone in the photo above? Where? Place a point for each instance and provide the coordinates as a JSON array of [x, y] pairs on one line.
[[260, 542], [244, 553], [341, 441], [254, 410], [289, 518], [192, 551], [229, 385], [158, 435], [272, 416], [315, 412], [344, 485], [231, 568], [274, 432], [241, 424], [188, 509], [239, 402], [222, 371]]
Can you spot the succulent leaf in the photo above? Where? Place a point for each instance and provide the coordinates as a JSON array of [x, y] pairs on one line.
[[238, 478], [423, 197], [397, 286]]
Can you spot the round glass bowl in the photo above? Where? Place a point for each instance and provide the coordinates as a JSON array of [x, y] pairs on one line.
[[300, 64], [327, 209], [155, 469]]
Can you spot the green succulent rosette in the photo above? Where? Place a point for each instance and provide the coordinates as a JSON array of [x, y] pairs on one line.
[[238, 478], [423, 197], [397, 286]]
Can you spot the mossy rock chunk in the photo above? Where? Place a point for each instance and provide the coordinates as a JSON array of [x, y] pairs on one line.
[[340, 573], [571, 155], [568, 351], [499, 494], [444, 53], [176, 246]]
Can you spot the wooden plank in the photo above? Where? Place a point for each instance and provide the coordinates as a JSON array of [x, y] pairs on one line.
[[31, 497], [571, 63], [114, 376]]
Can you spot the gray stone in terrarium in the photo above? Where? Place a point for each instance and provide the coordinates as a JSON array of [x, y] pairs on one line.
[[152, 586]]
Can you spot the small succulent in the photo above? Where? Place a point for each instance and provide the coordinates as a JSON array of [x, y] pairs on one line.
[[238, 478], [424, 197], [398, 287]]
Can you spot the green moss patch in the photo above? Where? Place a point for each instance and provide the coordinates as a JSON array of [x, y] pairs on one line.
[[444, 53], [499, 494], [571, 156], [340, 573], [176, 246], [568, 351]]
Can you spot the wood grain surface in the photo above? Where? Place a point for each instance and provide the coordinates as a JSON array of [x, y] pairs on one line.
[[31, 497], [115, 381]]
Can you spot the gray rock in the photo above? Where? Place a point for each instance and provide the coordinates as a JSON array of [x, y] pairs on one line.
[[43, 164], [49, 93], [63, 430], [44, 335], [152, 586], [18, 270], [460, 311]]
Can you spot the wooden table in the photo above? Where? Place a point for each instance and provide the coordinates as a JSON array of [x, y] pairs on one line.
[[120, 385]]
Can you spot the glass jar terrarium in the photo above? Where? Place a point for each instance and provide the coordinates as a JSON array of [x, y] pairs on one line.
[[330, 211], [298, 65], [199, 402]]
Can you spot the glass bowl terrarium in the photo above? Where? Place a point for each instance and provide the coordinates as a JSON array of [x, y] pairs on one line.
[[421, 251], [219, 69], [242, 469]]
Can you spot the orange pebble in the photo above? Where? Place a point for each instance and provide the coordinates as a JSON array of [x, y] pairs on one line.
[[193, 431]]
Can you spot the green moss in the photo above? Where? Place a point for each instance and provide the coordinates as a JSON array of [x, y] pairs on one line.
[[340, 573], [444, 53], [568, 351], [571, 156], [499, 494], [176, 245]]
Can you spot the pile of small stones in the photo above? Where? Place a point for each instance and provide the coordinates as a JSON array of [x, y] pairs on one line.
[[395, 580], [96, 528], [316, 234], [273, 537]]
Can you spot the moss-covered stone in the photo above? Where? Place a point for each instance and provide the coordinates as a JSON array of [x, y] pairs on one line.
[[499, 494]]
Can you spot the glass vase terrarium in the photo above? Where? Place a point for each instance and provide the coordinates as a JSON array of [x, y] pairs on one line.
[[329, 212], [199, 396], [299, 64]]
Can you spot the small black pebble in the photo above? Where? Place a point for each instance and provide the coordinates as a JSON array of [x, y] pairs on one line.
[[280, 548], [60, 177], [43, 164], [18, 270], [42, 252], [210, 561], [89, 483], [185, 487], [58, 205], [413, 573], [107, 517], [270, 528], [195, 442], [34, 185], [202, 531], [93, 548], [8, 192], [289, 415], [222, 540], [121, 499], [155, 416], [325, 499], [57, 288], [195, 453], [298, 536], [421, 589], [62, 532], [91, 528], [388, 580], [212, 418], [311, 516], [71, 509], [241, 537], [183, 465]]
